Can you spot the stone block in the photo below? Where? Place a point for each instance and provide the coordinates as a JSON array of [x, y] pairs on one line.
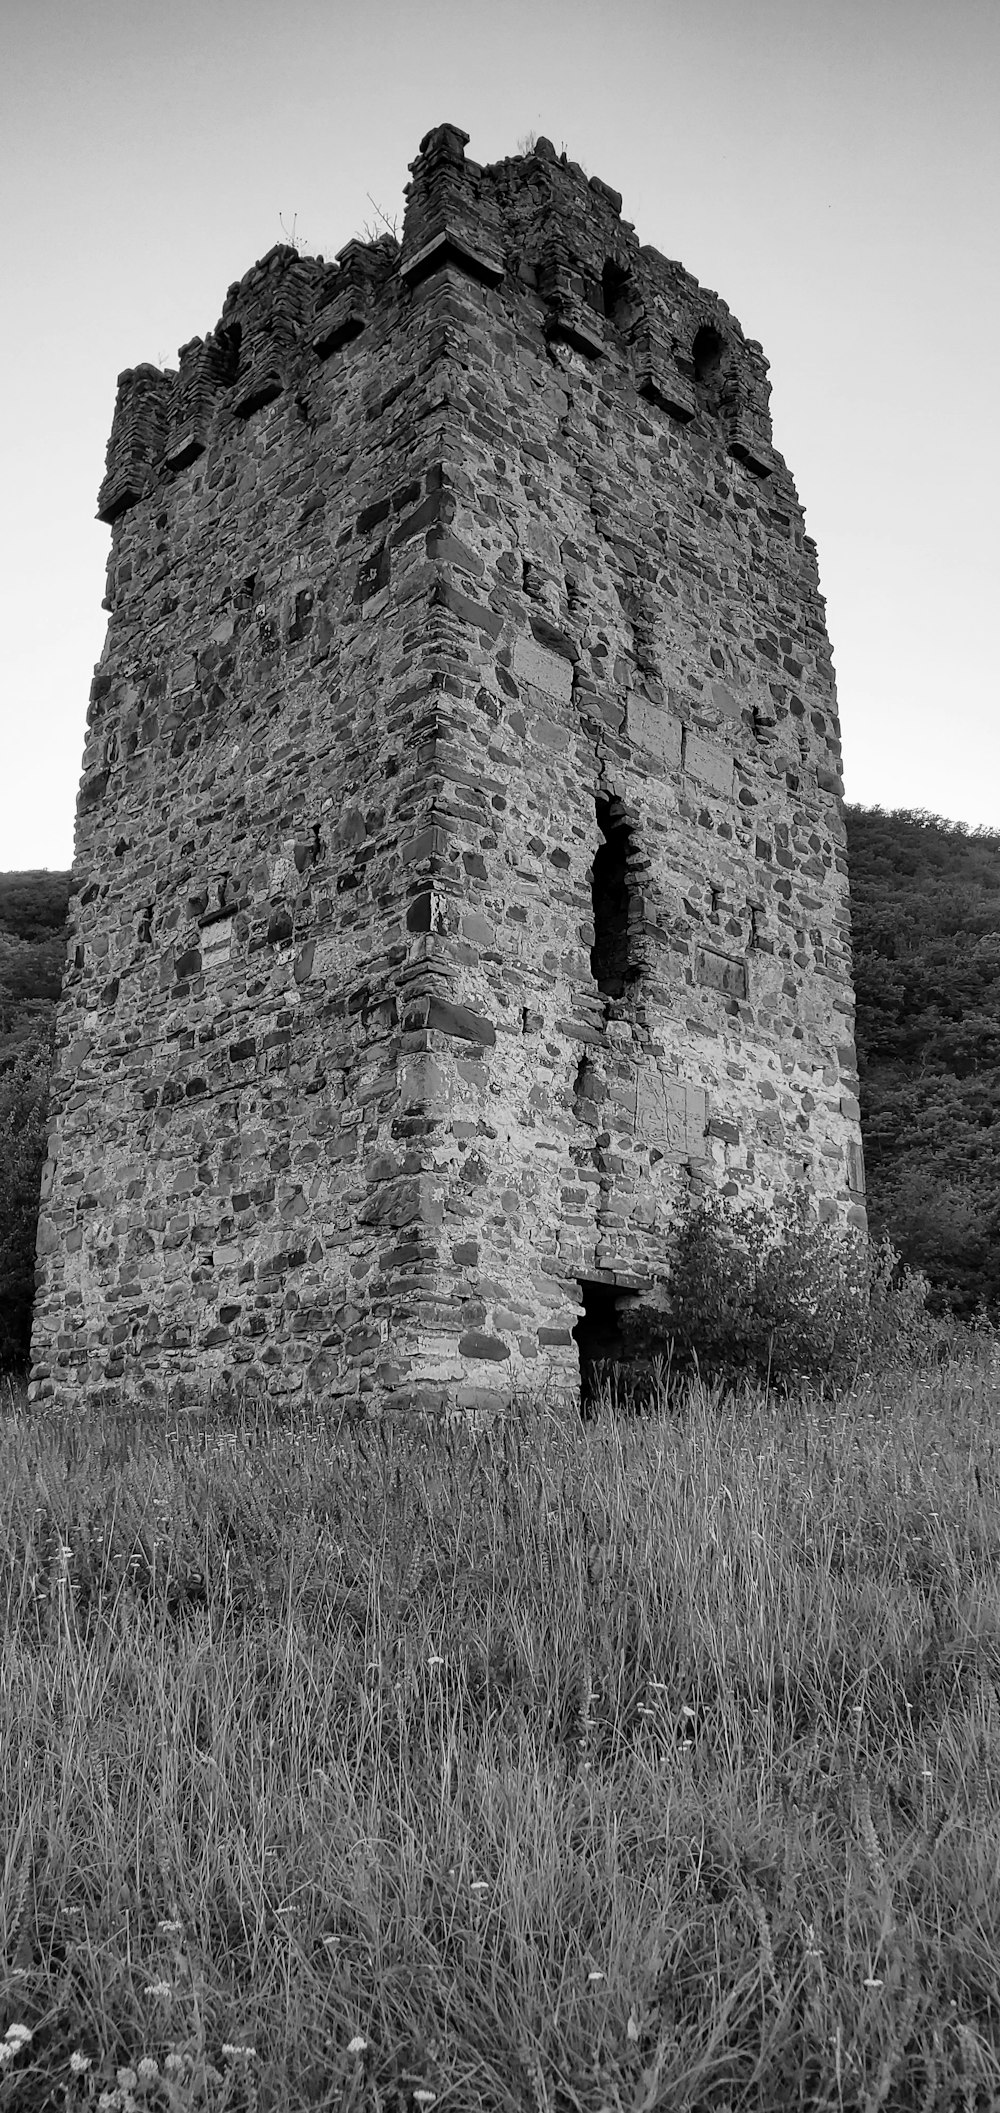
[[216, 944], [670, 1114], [720, 972], [709, 763], [655, 728], [542, 669]]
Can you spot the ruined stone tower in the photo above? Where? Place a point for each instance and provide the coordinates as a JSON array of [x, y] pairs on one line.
[[460, 868]]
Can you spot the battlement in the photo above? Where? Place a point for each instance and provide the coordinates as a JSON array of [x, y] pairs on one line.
[[547, 239]]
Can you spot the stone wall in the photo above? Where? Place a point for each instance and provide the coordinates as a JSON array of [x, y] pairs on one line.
[[460, 873]]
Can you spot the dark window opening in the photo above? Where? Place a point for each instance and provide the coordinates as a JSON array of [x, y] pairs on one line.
[[708, 357], [615, 291], [420, 911], [227, 351], [611, 961], [586, 1091], [601, 1341]]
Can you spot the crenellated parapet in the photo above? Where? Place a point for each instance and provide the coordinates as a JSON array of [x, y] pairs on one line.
[[164, 421], [450, 215], [207, 366], [138, 439], [267, 313], [346, 305], [535, 230]]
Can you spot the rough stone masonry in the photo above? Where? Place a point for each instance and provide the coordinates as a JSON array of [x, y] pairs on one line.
[[460, 874]]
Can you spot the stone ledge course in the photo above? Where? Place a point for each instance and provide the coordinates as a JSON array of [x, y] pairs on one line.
[[429, 567]]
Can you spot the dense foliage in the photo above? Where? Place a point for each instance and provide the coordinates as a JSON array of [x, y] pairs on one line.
[[767, 1295], [926, 907], [32, 951]]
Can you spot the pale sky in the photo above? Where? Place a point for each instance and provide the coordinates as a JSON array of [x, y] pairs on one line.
[[830, 167]]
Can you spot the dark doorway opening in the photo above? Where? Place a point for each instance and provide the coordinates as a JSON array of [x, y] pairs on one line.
[[611, 960], [602, 1343]]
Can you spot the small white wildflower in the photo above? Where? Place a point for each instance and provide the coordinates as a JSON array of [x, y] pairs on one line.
[[424, 2098], [170, 1929], [109, 2102], [79, 2063], [157, 1988], [18, 2032], [174, 2063], [126, 2079], [872, 1981], [597, 1975], [480, 1885], [148, 2069], [230, 2048], [435, 1661], [357, 2045]]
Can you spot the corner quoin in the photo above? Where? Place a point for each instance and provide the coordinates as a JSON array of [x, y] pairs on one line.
[[460, 875]]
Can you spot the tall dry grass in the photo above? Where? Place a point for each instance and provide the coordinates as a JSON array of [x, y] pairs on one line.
[[631, 1765]]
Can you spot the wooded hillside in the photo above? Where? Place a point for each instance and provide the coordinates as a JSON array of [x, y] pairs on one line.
[[926, 904], [32, 952]]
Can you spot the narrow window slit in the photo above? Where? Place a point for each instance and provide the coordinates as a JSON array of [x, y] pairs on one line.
[[611, 959], [615, 294]]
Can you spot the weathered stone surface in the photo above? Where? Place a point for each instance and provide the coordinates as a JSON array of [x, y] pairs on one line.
[[656, 728], [460, 855], [545, 670]]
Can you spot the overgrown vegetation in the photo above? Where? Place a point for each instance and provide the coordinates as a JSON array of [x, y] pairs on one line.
[[926, 909], [767, 1293], [633, 1764], [24, 1090], [32, 952], [33, 909]]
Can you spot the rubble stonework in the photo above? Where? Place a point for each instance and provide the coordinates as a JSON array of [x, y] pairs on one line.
[[460, 875]]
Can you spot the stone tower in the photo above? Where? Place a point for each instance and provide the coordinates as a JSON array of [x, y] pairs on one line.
[[459, 871]]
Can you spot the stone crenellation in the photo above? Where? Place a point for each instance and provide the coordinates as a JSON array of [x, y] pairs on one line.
[[460, 877]]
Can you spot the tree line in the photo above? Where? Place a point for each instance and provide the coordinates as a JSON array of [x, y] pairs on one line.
[[925, 899]]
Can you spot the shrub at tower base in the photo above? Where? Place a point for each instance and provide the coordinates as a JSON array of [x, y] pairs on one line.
[[770, 1296]]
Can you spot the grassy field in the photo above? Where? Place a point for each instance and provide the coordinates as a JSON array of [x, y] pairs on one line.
[[619, 1766]]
